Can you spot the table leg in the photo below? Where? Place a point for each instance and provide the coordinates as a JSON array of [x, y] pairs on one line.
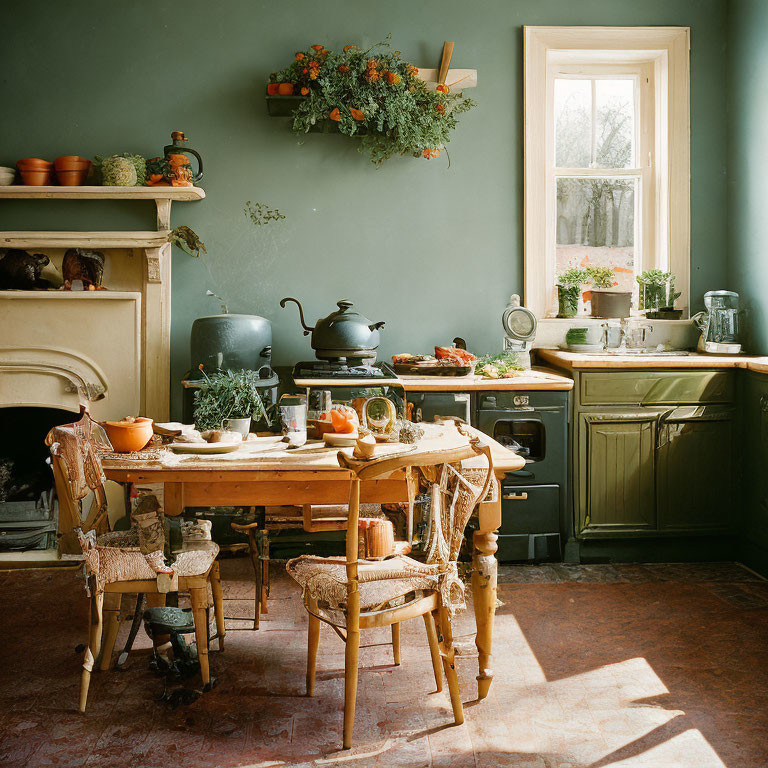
[[484, 569]]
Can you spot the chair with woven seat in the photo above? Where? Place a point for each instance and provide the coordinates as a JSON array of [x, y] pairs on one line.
[[351, 594], [114, 562]]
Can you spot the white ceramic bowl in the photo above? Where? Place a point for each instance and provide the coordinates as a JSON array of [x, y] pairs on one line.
[[7, 176]]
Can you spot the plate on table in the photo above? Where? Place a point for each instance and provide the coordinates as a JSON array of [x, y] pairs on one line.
[[340, 439], [582, 347], [205, 449]]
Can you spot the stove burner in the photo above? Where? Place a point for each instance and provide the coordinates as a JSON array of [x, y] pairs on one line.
[[331, 369]]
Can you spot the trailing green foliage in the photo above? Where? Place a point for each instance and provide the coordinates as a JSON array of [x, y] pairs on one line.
[[261, 214], [187, 239], [573, 278], [376, 95], [229, 395]]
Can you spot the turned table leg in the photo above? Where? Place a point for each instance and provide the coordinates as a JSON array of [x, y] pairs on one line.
[[484, 568]]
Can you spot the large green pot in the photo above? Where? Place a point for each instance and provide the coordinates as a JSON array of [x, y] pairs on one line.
[[568, 300]]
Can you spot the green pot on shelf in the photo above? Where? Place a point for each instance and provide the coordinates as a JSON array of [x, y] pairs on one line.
[[568, 300]]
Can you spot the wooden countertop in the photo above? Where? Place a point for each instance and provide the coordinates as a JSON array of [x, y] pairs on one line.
[[579, 361], [535, 379]]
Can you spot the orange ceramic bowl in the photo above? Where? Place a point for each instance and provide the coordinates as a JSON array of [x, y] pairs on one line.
[[127, 436]]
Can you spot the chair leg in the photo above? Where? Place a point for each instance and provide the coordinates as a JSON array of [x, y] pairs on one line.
[[434, 650], [445, 638], [396, 643], [111, 611], [94, 646], [199, 597], [351, 657], [218, 603], [313, 641], [254, 549]]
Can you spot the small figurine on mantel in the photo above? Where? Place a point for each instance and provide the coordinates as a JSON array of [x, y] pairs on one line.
[[85, 266], [21, 270]]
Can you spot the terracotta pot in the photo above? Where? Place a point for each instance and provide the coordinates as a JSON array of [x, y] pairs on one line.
[[33, 163], [128, 436], [71, 163], [36, 178], [376, 538], [272, 89], [285, 89], [71, 178]]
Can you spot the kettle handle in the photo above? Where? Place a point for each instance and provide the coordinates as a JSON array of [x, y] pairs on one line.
[[307, 329], [199, 174]]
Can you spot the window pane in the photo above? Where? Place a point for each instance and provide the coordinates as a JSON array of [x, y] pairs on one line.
[[615, 128], [596, 226], [573, 123]]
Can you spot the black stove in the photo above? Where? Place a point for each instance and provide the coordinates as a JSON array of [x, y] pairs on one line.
[[336, 369]]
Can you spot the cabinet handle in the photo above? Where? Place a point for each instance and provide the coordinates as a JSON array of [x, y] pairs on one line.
[[515, 496]]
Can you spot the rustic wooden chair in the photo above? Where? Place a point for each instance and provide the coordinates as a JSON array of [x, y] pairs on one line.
[[351, 594], [114, 563]]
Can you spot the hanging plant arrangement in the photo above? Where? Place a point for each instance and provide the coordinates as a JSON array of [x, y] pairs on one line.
[[376, 96]]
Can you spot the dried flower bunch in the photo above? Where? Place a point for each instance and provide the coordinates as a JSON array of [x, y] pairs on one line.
[[376, 95]]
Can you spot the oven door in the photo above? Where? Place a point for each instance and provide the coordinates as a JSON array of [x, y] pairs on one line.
[[428, 405]]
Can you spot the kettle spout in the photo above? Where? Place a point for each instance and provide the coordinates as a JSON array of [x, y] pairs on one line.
[[376, 326], [307, 329]]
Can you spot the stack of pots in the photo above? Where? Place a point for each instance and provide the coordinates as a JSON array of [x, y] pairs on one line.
[[35, 172], [72, 170]]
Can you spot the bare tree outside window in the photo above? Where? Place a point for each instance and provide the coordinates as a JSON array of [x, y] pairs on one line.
[[594, 129]]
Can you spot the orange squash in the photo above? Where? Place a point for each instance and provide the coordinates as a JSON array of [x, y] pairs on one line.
[[272, 89], [335, 115], [356, 113], [285, 89]]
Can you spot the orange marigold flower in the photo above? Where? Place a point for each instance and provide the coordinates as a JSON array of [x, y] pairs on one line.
[[335, 114], [314, 65], [350, 47], [427, 153], [413, 71], [304, 71], [343, 68], [318, 47], [440, 108], [304, 91], [299, 57], [313, 75], [356, 113], [443, 88], [371, 75], [371, 63]]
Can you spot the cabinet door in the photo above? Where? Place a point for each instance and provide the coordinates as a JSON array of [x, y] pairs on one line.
[[616, 472], [694, 469]]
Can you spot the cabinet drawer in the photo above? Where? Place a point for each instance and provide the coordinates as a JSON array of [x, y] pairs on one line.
[[530, 508], [657, 387]]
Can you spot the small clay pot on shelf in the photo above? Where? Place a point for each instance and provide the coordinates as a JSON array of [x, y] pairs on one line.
[[35, 172], [72, 170]]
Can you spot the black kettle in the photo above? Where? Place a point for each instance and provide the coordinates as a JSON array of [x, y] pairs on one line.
[[344, 334]]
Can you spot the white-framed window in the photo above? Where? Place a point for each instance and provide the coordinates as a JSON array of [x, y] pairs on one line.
[[607, 155]]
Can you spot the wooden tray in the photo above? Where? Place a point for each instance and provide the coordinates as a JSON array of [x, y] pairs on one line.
[[431, 369]]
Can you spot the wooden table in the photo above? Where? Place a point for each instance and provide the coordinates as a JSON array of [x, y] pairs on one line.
[[313, 476]]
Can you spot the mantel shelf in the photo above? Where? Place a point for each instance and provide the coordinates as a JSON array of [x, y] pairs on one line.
[[77, 239], [21, 192]]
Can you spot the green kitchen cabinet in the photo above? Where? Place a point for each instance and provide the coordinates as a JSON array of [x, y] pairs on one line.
[[694, 469], [616, 483], [653, 453]]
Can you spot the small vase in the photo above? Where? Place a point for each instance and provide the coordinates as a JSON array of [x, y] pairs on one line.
[[610, 303], [568, 300], [243, 426]]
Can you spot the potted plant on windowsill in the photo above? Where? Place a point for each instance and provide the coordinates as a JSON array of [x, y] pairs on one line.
[[657, 293], [607, 302], [230, 399], [569, 285]]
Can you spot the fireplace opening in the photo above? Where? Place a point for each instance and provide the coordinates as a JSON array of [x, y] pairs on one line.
[[28, 509]]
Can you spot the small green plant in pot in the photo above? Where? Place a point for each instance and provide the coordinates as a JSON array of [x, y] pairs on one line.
[[657, 289], [605, 301], [569, 285], [227, 395]]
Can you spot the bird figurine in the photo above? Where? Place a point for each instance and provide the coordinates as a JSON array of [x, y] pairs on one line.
[[83, 264], [21, 270]]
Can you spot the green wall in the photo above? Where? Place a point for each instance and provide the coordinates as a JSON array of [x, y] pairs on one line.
[[748, 164], [433, 251]]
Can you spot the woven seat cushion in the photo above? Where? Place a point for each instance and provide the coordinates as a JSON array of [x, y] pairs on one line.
[[381, 581], [120, 563]]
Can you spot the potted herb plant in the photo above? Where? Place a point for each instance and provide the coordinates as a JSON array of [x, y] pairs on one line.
[[569, 285], [657, 290], [605, 301], [230, 399]]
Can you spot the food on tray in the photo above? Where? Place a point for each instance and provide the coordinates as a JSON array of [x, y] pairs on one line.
[[408, 359], [503, 366], [456, 355]]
